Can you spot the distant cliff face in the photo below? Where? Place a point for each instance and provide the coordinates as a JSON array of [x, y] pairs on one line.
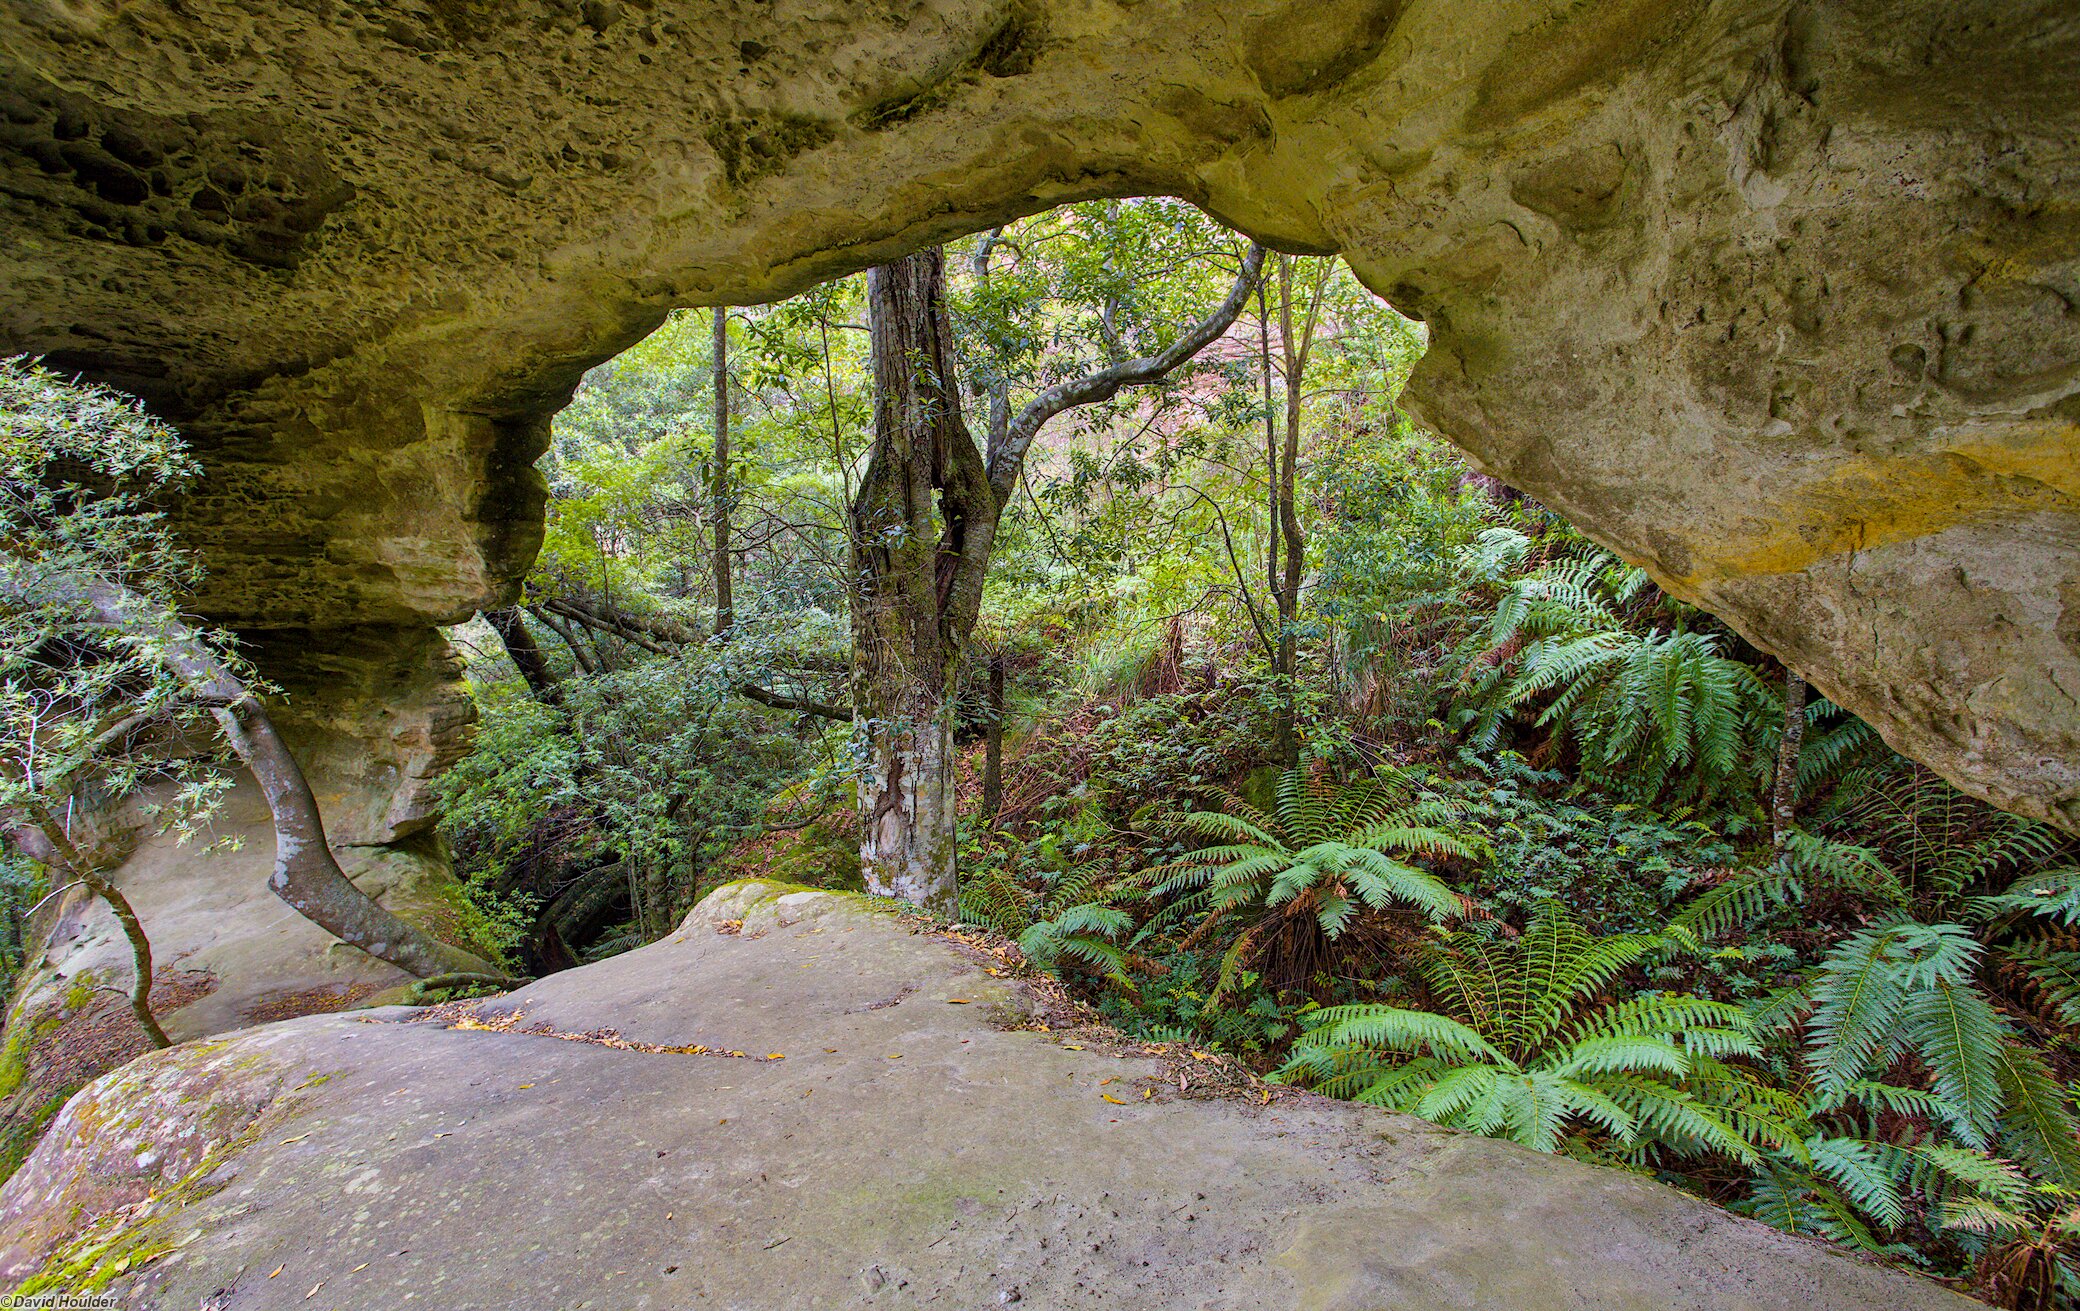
[[1776, 299]]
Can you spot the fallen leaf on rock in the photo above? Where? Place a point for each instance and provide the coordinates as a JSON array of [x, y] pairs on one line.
[[1110, 1098], [956, 1001], [278, 1269], [776, 1056], [286, 1141]]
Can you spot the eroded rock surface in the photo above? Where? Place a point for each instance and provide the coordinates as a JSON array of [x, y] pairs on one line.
[[227, 952], [1774, 297], [859, 1127]]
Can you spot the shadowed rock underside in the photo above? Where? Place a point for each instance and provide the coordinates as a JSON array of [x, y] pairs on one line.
[[1775, 299]]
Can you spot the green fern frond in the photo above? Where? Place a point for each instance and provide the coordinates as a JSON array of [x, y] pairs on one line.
[[1856, 1002], [2039, 1128]]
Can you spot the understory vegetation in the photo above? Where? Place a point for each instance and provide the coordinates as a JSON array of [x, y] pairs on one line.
[[1283, 731]]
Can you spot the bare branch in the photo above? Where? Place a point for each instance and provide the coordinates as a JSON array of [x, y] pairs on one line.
[[778, 701], [1007, 458]]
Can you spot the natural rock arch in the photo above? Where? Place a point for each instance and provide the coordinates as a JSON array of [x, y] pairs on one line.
[[1774, 297]]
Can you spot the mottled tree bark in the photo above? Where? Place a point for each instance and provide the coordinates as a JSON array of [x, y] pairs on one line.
[[1783, 802], [922, 526], [718, 485]]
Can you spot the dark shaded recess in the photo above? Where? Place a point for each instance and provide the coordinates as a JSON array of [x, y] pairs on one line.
[[1008, 51], [1012, 48], [239, 184], [516, 495], [755, 146], [1314, 44]]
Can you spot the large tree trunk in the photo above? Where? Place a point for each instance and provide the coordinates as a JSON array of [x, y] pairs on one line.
[[725, 606], [922, 526], [923, 521]]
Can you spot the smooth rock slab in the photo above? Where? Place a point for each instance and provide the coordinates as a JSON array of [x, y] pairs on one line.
[[875, 1146]]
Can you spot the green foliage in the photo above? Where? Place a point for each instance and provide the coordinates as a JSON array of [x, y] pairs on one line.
[[1901, 987], [1655, 714], [623, 794], [1308, 869], [23, 883], [91, 578], [1807, 866], [1072, 917], [1608, 861], [1175, 1004], [1865, 1035], [1522, 1047]]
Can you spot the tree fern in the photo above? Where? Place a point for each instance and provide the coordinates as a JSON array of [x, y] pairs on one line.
[[2052, 894], [1307, 871], [1857, 1002], [1650, 712], [1957, 1033]]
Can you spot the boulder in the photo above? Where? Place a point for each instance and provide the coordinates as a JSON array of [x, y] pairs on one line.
[[801, 1100]]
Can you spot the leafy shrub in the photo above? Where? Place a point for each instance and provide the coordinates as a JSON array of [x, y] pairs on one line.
[[1072, 917]]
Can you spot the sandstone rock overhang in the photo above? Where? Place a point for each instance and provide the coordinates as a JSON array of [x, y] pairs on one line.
[[1773, 297], [800, 1100]]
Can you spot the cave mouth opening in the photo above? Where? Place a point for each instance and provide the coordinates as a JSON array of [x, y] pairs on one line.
[[625, 578]]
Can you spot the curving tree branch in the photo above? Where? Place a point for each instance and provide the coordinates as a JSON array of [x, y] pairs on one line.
[[306, 875], [1007, 457]]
